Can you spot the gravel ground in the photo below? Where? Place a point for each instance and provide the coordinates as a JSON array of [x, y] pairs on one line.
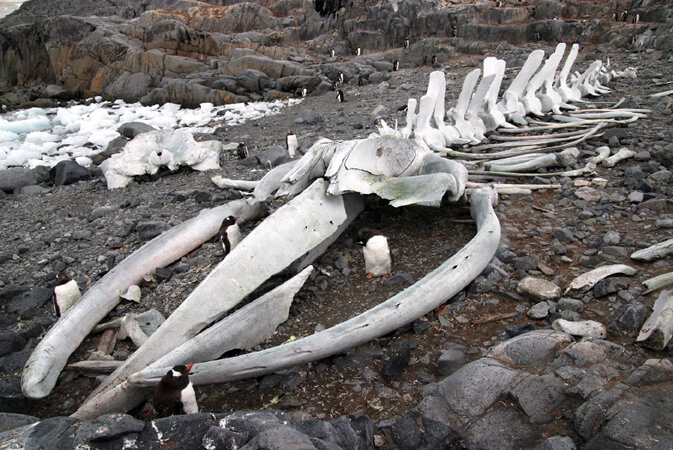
[[84, 230]]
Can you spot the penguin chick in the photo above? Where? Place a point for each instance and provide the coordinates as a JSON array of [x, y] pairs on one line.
[[376, 252], [242, 151], [291, 144], [229, 234], [174, 393]]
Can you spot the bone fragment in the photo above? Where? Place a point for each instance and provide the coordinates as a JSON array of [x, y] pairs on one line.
[[656, 251], [584, 328], [292, 230], [270, 182], [243, 329], [418, 299], [129, 328], [147, 316], [132, 293], [568, 94], [107, 341], [589, 279], [664, 280], [603, 153], [662, 94], [228, 183], [67, 295], [50, 356], [533, 164], [658, 328], [97, 366]]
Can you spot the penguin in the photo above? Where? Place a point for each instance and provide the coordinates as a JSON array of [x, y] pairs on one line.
[[614, 16], [242, 151], [340, 96], [433, 61], [304, 92], [406, 43], [636, 18], [341, 77], [66, 294], [498, 4], [175, 393], [376, 252], [291, 144], [358, 52], [396, 66], [332, 53], [229, 234], [624, 15]]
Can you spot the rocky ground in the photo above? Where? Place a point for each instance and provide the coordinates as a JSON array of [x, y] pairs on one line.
[[483, 371], [529, 388]]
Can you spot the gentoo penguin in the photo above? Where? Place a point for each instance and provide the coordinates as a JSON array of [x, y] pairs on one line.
[[304, 92], [341, 77], [433, 61], [291, 143], [66, 294], [406, 43], [636, 18], [175, 393], [624, 15], [396, 65], [358, 52], [340, 96], [229, 234], [242, 151], [376, 252], [332, 53]]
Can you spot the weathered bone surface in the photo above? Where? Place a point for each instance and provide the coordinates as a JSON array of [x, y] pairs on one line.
[[656, 251], [511, 104], [490, 114], [568, 94], [425, 295], [531, 102], [241, 330], [226, 183], [664, 280], [67, 295], [589, 279], [148, 151], [457, 113], [550, 99], [301, 225], [51, 354], [657, 330]]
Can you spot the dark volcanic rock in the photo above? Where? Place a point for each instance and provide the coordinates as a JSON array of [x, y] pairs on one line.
[[395, 365], [68, 172], [15, 178]]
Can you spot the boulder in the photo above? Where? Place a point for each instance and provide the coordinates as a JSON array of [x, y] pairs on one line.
[[15, 178], [68, 172]]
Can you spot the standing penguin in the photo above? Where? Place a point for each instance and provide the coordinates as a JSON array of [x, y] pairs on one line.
[[376, 252], [396, 66], [229, 234], [304, 92], [340, 96], [242, 151], [175, 394], [291, 144], [341, 77]]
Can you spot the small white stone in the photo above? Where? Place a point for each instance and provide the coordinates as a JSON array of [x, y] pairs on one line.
[[584, 328]]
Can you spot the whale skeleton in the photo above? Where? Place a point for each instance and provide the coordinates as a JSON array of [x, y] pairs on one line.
[[405, 166]]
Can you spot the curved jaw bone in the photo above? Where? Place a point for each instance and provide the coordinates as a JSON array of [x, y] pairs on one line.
[[418, 299]]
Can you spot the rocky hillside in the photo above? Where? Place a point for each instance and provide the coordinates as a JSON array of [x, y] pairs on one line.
[[189, 52]]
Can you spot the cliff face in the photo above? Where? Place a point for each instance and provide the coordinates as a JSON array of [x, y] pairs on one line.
[[190, 52]]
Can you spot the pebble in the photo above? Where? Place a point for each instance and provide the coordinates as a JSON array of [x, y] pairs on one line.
[[586, 328], [538, 311], [588, 193], [539, 289]]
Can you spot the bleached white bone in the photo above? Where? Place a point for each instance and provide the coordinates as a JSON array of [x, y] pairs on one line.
[[511, 104], [550, 99], [300, 225], [457, 113], [243, 329], [416, 300], [660, 281], [472, 114], [622, 154], [657, 330], [656, 251], [568, 93], [51, 354], [587, 280], [531, 102], [490, 114], [450, 133]]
